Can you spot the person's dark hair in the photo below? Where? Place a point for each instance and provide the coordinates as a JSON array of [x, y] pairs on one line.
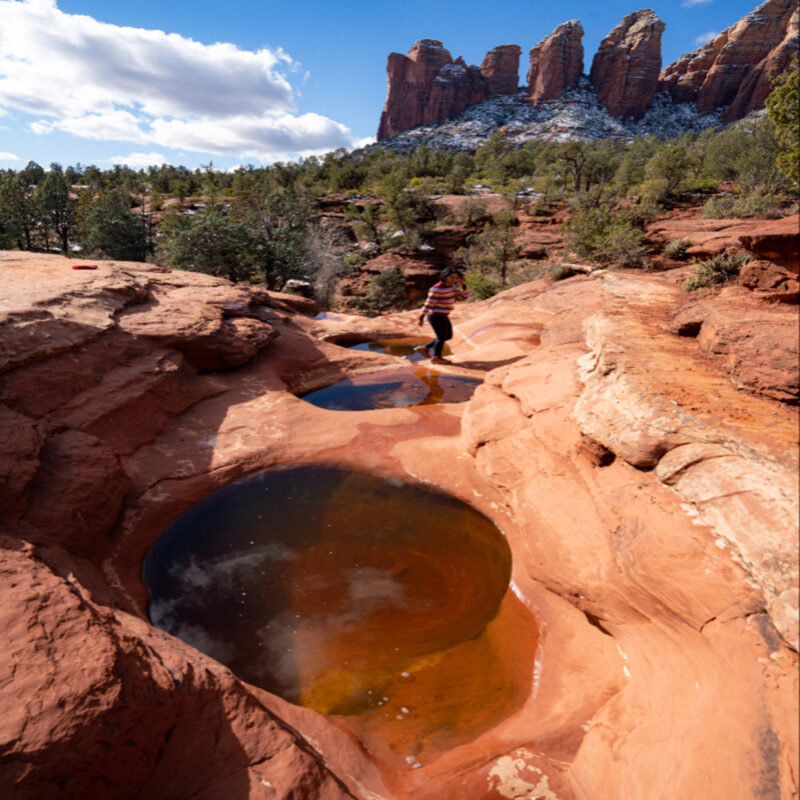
[[448, 271]]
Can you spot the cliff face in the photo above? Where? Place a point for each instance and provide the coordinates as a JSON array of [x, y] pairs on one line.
[[428, 86], [556, 62], [625, 68], [730, 72], [733, 69]]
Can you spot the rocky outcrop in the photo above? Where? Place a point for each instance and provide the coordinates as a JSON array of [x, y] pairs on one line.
[[644, 479], [500, 70], [625, 68], [732, 71], [556, 63], [427, 86]]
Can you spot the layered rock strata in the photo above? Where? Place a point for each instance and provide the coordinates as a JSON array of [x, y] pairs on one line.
[[647, 490], [731, 74], [733, 70], [428, 86], [625, 69], [556, 63]]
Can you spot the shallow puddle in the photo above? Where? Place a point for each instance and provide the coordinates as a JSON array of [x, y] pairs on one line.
[[401, 388], [380, 601], [398, 347]]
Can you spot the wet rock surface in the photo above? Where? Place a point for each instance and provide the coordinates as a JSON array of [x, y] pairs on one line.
[[634, 443]]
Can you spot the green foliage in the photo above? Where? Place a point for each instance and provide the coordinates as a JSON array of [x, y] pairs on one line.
[[276, 226], [472, 211], [209, 242], [18, 211], [720, 269], [676, 249], [730, 206], [107, 229], [605, 235], [57, 207], [491, 251], [368, 219], [783, 107], [481, 286], [387, 289]]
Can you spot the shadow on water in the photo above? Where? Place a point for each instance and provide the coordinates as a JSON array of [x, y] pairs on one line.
[[378, 600], [401, 388]]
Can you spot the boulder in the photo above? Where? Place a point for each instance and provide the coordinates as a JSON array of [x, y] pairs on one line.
[[556, 63], [626, 66], [732, 71]]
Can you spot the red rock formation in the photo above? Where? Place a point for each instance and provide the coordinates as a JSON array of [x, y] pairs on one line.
[[666, 575], [500, 69], [427, 86], [733, 69], [625, 68], [556, 62]]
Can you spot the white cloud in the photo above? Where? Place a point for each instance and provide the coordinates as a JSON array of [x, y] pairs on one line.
[[706, 37], [105, 82], [9, 157], [135, 160], [690, 3]]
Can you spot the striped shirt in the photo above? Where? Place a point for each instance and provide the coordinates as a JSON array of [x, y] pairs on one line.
[[441, 298]]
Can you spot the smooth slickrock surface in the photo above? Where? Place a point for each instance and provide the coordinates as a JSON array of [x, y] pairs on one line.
[[637, 446], [626, 66]]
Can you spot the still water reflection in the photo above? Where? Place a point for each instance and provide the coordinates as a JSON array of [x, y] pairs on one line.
[[401, 388], [351, 594]]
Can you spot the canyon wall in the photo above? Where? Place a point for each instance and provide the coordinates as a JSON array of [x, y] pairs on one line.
[[731, 73]]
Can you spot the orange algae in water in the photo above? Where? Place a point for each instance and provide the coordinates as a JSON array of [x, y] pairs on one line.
[[344, 592]]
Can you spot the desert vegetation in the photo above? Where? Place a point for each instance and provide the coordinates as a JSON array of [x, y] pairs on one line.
[[265, 224]]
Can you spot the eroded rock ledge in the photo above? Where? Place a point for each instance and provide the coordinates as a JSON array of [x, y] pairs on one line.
[[646, 481]]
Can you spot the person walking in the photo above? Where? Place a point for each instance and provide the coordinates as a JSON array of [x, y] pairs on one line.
[[438, 305]]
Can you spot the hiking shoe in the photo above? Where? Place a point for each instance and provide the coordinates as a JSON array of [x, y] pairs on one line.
[[440, 360], [422, 350]]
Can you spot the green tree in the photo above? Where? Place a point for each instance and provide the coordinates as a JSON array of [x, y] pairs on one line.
[[783, 108], [492, 251], [57, 206], [386, 289], [277, 223], [393, 190], [107, 227], [209, 242], [18, 210]]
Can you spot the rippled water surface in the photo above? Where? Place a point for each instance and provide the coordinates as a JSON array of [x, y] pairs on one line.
[[354, 595]]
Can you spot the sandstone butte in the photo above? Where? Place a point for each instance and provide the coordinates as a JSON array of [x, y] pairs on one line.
[[637, 446], [730, 74]]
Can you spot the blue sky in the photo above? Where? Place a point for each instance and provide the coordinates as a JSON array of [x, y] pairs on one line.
[[255, 81]]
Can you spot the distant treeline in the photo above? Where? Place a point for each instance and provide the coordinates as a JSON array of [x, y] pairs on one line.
[[261, 223]]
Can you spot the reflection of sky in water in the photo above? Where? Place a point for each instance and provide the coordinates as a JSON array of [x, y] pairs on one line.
[[394, 389], [303, 580]]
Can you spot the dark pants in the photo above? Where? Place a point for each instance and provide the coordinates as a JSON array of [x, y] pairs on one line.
[[443, 330]]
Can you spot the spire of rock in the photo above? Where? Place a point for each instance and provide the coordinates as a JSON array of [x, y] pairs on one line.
[[625, 69], [556, 62], [500, 69]]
